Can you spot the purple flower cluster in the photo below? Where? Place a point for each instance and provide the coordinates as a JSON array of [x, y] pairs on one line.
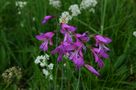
[[74, 44]]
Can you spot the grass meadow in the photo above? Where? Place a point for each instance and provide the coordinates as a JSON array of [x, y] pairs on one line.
[[19, 47]]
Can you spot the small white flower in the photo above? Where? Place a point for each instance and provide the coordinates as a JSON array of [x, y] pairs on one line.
[[55, 3], [46, 56], [87, 4], [75, 10], [92, 10], [50, 66], [134, 33], [45, 72], [24, 3], [19, 12], [33, 18], [64, 64], [37, 61], [20, 4], [51, 77], [65, 17], [21, 24], [43, 63], [42, 60]]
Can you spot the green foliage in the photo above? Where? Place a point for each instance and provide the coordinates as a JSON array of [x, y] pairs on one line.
[[18, 46]]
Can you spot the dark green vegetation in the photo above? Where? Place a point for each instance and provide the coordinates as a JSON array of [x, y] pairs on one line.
[[18, 46]]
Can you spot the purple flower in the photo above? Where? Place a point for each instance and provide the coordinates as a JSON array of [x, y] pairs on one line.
[[101, 52], [82, 37], [46, 18], [92, 70], [101, 41], [76, 54], [98, 55], [46, 38], [67, 30], [62, 50], [78, 61]]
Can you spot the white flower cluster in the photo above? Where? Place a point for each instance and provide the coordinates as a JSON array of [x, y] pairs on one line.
[[20, 5], [42, 60], [85, 4], [76, 10], [134, 33], [46, 68], [55, 3], [65, 17], [47, 72]]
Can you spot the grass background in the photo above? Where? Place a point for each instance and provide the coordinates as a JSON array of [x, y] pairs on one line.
[[18, 46]]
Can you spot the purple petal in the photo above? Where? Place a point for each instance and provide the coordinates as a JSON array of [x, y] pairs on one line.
[[49, 35], [91, 69], [79, 62], [67, 28], [44, 36], [68, 38], [40, 37], [83, 37], [100, 63], [44, 46], [95, 55], [103, 39], [60, 57], [46, 18], [101, 52]]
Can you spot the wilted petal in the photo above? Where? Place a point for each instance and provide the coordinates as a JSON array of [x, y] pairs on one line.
[[91, 69]]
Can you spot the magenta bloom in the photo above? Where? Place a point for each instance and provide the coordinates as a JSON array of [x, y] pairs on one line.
[[46, 38], [46, 18], [78, 61], [76, 54], [62, 50], [101, 50], [67, 30], [98, 55], [82, 37], [101, 41], [92, 70]]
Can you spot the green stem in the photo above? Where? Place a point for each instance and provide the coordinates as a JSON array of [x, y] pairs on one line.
[[77, 87], [103, 11], [62, 77], [83, 23]]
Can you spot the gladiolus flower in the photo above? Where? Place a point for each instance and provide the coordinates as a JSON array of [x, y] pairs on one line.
[[46, 38], [62, 50], [101, 41], [67, 30], [82, 37]]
